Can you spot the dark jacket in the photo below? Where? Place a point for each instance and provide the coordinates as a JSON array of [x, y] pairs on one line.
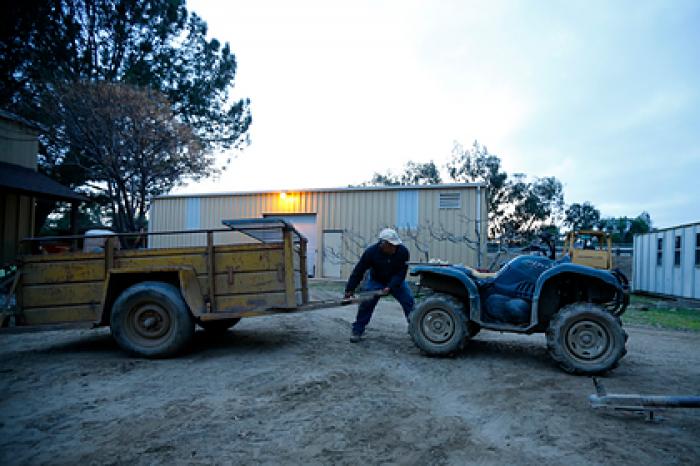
[[387, 269]]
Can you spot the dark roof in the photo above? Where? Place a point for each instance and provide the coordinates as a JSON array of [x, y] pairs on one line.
[[15, 178]]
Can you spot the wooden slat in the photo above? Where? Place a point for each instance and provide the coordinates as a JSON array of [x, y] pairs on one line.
[[210, 270], [304, 273], [60, 314], [61, 272], [289, 268], [245, 283], [248, 261], [59, 295]]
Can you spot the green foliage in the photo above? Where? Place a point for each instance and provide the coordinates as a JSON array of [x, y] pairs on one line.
[[516, 206], [581, 216], [415, 173], [623, 229], [152, 45], [89, 216]]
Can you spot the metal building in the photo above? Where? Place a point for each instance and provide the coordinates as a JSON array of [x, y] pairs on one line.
[[667, 261], [447, 222]]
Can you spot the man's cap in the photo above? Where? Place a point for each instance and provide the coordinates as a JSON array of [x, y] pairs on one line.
[[389, 235]]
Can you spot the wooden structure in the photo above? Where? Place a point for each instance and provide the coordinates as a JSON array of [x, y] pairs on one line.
[[214, 282], [21, 185]]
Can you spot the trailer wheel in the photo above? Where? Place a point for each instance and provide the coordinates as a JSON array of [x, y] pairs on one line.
[[151, 319], [216, 327], [585, 339], [439, 325]]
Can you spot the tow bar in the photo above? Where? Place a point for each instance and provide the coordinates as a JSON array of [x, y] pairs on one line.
[[639, 403]]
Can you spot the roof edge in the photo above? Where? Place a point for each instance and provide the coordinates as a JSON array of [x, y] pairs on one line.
[[328, 190]]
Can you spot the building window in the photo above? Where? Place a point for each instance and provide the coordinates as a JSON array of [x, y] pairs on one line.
[[407, 209], [677, 252], [450, 201], [659, 251], [697, 249]]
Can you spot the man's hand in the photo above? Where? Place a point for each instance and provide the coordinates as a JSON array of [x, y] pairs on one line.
[[347, 295], [385, 291]]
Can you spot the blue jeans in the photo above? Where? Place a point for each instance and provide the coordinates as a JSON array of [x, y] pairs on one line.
[[402, 293]]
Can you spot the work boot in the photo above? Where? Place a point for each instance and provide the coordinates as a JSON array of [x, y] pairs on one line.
[[355, 337]]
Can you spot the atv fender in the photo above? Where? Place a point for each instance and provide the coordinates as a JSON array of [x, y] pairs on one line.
[[602, 275], [454, 274]]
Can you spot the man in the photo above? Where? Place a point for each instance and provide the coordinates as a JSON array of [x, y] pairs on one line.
[[387, 263]]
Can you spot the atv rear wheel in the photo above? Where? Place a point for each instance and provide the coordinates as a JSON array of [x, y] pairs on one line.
[[583, 338], [439, 325]]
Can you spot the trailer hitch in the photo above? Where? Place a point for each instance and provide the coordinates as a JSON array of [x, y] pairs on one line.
[[639, 403]]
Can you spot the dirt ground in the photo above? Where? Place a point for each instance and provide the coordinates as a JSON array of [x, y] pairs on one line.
[[293, 390]]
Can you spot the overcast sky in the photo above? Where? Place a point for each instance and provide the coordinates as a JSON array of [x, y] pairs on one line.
[[603, 95]]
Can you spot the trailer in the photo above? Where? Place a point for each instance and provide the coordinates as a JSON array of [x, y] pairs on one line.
[[152, 298]]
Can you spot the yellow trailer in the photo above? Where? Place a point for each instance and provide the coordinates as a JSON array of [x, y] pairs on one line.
[[153, 297]]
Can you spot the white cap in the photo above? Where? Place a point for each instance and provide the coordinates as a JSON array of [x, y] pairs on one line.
[[390, 236]]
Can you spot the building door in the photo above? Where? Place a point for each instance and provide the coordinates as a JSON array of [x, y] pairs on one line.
[[306, 225], [332, 250]]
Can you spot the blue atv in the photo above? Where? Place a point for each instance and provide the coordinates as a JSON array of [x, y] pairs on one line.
[[578, 307]]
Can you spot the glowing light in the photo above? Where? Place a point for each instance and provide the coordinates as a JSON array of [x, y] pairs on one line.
[[283, 195]]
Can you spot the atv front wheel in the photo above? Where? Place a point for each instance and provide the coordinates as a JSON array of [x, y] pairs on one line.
[[585, 339], [439, 325]]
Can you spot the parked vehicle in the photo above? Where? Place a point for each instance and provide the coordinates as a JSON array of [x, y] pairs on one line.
[[589, 247], [578, 307], [153, 297]]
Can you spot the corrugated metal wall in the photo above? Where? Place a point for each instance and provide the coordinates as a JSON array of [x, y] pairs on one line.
[[448, 234], [668, 262]]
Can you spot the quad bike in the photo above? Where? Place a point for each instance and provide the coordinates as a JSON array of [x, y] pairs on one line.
[[578, 307]]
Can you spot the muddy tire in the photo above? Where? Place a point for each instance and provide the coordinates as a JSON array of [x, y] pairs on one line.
[[585, 339], [151, 319], [217, 327], [439, 326]]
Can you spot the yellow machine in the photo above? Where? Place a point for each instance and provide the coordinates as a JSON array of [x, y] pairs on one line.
[[588, 247]]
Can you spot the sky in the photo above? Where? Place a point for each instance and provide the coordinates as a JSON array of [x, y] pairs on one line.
[[603, 95]]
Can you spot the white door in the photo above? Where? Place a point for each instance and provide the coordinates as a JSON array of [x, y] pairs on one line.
[[332, 244], [306, 225]]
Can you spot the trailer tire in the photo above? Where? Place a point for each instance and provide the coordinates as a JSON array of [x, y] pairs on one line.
[[151, 319], [585, 339], [439, 325], [216, 327]]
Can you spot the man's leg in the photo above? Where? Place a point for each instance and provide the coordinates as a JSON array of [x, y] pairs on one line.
[[404, 296], [366, 308]]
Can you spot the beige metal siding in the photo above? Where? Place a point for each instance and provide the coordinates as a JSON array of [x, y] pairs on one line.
[[360, 214]]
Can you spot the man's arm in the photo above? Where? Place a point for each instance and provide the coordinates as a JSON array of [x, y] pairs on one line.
[[400, 275], [357, 273]]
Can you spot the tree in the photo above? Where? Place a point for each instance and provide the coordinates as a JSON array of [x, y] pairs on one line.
[[131, 145], [581, 216], [478, 165], [152, 44], [533, 205], [415, 173], [623, 229], [515, 205]]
